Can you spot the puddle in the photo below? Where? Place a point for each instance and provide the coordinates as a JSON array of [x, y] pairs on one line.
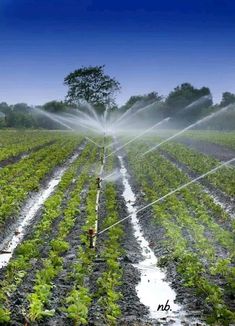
[[153, 291], [28, 213]]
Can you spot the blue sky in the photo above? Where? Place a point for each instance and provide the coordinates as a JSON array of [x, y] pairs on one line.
[[146, 45]]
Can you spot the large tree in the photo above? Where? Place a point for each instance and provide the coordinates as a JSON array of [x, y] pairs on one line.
[[92, 85]]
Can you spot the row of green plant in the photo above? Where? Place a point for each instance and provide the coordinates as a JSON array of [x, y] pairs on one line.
[[14, 143], [30, 249], [223, 138], [224, 178], [187, 221], [108, 283], [80, 298], [78, 301], [18, 180], [53, 264]]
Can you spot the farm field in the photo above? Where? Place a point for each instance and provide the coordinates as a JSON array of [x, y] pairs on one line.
[[177, 253]]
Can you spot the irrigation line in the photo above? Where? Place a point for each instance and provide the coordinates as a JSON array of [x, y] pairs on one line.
[[169, 194]]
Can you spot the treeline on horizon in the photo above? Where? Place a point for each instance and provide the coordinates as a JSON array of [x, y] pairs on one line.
[[22, 115]]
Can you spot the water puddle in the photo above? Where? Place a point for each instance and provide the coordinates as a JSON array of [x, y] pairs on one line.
[[28, 212], [153, 291]]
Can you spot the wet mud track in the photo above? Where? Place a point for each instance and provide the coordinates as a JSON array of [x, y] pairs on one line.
[[133, 312], [192, 304]]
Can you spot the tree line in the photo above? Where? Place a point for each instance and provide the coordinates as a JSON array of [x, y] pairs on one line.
[[91, 85]]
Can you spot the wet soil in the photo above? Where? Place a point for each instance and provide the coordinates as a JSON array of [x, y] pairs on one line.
[[155, 234], [133, 312]]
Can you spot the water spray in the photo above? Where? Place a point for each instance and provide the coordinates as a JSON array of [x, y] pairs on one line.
[[92, 141], [53, 117], [143, 133], [169, 194], [185, 129]]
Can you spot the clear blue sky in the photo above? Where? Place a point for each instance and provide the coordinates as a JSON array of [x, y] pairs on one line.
[[147, 45]]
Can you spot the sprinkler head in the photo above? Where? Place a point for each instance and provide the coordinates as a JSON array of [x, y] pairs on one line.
[[91, 235]]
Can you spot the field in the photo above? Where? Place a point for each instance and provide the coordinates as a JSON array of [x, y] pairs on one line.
[[178, 252]]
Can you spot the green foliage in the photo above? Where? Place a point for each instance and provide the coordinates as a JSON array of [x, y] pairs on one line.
[[92, 85], [78, 302]]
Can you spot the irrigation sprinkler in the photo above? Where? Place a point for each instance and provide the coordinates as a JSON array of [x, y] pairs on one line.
[[98, 182], [91, 235], [169, 194]]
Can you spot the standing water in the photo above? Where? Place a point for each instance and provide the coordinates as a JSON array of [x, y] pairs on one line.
[[152, 290]]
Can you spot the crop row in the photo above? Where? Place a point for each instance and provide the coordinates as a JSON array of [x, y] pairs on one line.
[[19, 179], [224, 179], [15, 143], [226, 139], [194, 236], [54, 210]]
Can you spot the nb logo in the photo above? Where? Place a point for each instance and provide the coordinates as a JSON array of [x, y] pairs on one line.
[[164, 308]]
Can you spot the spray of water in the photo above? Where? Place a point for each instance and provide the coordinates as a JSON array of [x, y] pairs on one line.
[[170, 193], [187, 128], [112, 177], [140, 135], [92, 141], [52, 117]]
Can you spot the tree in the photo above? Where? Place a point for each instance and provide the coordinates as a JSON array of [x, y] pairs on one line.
[[4, 107], [90, 84], [55, 106], [227, 98], [188, 103]]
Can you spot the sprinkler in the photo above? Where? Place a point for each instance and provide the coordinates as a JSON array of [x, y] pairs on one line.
[[98, 182], [91, 235]]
